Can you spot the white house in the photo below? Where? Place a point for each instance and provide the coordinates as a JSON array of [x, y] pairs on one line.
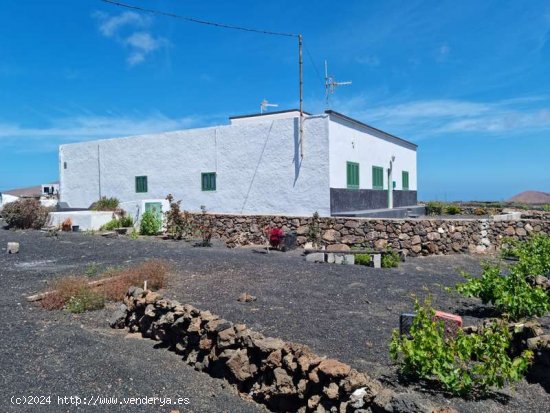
[[254, 165]]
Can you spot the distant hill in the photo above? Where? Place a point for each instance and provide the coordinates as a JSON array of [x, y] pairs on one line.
[[531, 197]]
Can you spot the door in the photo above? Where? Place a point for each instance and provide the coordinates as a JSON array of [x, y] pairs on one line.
[[155, 208]]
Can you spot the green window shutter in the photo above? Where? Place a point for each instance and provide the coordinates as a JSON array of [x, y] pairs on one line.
[[377, 177], [141, 184], [208, 181], [352, 173], [405, 176]]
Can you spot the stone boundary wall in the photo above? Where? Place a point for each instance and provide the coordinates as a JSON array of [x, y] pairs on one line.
[[283, 376], [543, 215], [412, 236]]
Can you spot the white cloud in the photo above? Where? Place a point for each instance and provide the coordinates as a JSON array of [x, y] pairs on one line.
[[419, 119], [443, 52], [86, 127], [368, 60], [123, 28], [110, 25]]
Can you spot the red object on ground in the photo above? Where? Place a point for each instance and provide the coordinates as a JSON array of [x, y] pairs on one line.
[[452, 322], [276, 235]]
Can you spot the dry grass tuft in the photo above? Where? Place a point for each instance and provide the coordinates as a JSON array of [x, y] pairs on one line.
[[154, 271]]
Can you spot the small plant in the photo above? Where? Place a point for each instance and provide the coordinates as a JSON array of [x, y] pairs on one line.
[[105, 204], [480, 211], [150, 224], [546, 208], [462, 365], [205, 228], [362, 259], [390, 259], [434, 208], [134, 234], [178, 223], [92, 270], [452, 209], [67, 225], [25, 214], [125, 221], [314, 230], [85, 300]]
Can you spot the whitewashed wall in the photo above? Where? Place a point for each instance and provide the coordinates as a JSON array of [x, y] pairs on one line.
[[257, 164], [353, 143]]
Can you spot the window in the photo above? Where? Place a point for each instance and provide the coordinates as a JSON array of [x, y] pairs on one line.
[[377, 177], [405, 176], [208, 181], [353, 175], [64, 165], [141, 184]]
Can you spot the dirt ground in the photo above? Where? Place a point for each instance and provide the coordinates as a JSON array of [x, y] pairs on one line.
[[345, 312]]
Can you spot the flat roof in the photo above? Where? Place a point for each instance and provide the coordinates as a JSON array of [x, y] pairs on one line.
[[252, 115], [340, 115]]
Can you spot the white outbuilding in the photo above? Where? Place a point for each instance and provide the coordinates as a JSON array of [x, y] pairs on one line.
[[257, 164]]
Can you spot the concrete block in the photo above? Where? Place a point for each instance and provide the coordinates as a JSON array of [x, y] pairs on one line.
[[376, 260], [13, 247], [338, 259], [315, 257], [452, 322], [330, 257], [512, 216], [349, 259]]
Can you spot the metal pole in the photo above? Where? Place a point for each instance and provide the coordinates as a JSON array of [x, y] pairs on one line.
[[300, 64], [99, 172]]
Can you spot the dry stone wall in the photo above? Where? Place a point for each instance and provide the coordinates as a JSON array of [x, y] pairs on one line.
[[284, 376], [413, 236]]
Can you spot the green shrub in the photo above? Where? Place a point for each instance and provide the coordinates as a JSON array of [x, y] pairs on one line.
[[508, 247], [111, 225], [25, 214], [546, 208], [105, 204], [452, 209], [150, 224], [126, 221], [362, 259], [511, 295], [463, 364], [390, 259], [134, 234], [123, 222], [314, 230], [533, 256], [434, 208], [85, 300]]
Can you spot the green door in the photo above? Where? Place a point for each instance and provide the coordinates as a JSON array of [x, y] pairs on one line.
[[155, 208]]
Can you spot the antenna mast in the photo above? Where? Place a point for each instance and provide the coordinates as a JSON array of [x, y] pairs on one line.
[[265, 104], [331, 84]]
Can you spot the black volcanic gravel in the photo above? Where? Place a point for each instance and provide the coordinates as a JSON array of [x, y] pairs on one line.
[[346, 312]]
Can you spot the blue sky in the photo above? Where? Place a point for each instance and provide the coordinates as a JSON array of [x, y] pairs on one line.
[[468, 81]]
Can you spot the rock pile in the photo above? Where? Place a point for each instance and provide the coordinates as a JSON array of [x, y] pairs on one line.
[[284, 376]]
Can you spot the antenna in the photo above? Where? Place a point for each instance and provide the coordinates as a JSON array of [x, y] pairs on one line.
[[331, 84], [265, 104]]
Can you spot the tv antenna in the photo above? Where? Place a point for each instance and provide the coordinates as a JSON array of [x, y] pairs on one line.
[[265, 104], [331, 84]]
